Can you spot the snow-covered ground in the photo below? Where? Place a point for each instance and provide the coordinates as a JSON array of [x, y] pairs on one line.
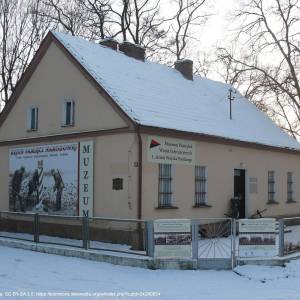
[[29, 273]]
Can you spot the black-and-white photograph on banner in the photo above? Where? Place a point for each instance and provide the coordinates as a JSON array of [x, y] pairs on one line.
[[44, 179]]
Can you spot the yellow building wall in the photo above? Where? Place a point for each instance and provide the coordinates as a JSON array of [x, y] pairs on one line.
[[55, 79], [221, 160]]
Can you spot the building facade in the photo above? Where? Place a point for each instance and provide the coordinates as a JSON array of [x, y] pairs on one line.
[[71, 145]]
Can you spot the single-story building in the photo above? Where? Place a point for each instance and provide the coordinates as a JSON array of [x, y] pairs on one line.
[[95, 129]]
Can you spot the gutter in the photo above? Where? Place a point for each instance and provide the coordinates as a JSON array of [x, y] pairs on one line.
[[202, 137], [63, 136]]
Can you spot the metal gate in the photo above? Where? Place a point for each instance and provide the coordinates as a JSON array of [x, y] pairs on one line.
[[214, 243]]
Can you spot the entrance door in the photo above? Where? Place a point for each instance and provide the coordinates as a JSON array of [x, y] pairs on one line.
[[239, 190]]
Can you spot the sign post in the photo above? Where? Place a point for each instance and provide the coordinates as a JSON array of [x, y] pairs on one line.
[[86, 156]]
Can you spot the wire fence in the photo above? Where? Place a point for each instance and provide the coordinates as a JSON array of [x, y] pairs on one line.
[[19, 226], [291, 237], [60, 230], [116, 235], [119, 235], [213, 238]]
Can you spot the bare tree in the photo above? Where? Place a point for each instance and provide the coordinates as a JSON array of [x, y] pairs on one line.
[[140, 22], [221, 66], [23, 24], [20, 35], [119, 8], [190, 14], [269, 31], [97, 15], [143, 21], [204, 64], [64, 14], [248, 80]]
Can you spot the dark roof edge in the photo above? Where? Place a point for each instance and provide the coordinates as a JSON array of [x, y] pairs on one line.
[[213, 139], [66, 136]]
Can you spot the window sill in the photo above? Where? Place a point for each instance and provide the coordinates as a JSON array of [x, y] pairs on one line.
[[272, 202], [291, 201], [166, 207], [67, 125], [201, 205], [31, 130]]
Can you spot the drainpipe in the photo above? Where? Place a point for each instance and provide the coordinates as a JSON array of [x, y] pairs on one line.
[[140, 173], [141, 245]]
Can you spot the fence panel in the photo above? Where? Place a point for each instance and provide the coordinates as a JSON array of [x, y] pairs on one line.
[[118, 235], [17, 225], [214, 236], [60, 230], [291, 235]]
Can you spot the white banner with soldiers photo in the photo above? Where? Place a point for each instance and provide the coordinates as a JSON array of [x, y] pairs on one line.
[[44, 179]]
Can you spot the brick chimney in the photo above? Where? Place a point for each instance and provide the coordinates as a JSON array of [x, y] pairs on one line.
[[110, 43], [133, 50], [185, 67]]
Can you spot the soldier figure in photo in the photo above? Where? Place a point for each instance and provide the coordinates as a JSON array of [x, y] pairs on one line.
[[33, 186], [58, 187], [16, 188]]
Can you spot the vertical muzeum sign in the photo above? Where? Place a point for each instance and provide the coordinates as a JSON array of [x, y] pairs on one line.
[[86, 188]]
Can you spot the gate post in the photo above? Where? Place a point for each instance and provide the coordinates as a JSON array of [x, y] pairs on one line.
[[233, 242], [150, 239], [36, 228], [281, 237], [85, 232], [195, 230]]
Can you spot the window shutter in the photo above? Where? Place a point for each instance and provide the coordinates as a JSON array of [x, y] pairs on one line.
[[64, 112], [36, 118], [73, 112], [28, 121]]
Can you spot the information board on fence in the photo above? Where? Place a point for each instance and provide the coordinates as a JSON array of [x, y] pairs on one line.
[[172, 238], [257, 238]]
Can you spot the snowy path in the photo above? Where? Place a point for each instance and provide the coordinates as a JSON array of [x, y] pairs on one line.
[[26, 271]]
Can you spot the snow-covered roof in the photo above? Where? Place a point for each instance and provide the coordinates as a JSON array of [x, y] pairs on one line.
[[155, 95]]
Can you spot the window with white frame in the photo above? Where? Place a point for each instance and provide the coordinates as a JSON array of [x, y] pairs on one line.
[[165, 185], [271, 186], [200, 185], [290, 187], [68, 113], [32, 118]]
